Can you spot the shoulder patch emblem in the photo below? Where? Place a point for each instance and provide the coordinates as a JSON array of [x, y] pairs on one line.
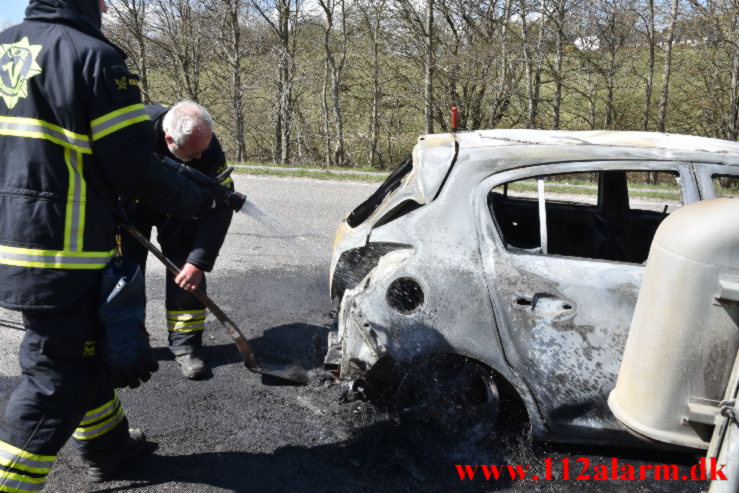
[[17, 65], [121, 83]]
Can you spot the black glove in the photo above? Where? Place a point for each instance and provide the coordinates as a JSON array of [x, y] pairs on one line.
[[124, 343]]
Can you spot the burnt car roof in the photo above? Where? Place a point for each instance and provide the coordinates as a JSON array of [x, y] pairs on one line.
[[548, 146], [611, 138]]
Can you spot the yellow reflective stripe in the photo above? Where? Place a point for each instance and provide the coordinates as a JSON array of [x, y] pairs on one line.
[[189, 323], [39, 129], [200, 313], [186, 320], [74, 223], [186, 326], [19, 465], [100, 412], [21, 460], [116, 120], [180, 327], [81, 203], [119, 112], [70, 200], [29, 257], [185, 323], [227, 181], [186, 315], [11, 482], [26, 455], [94, 431]]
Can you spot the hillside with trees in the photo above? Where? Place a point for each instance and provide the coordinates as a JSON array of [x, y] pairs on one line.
[[353, 83]]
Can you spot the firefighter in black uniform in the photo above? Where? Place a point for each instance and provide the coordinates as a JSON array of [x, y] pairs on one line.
[[69, 111], [184, 133]]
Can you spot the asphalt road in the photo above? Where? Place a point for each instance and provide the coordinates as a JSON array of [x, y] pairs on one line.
[[236, 432]]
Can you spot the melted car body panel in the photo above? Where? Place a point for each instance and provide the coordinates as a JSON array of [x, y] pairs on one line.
[[554, 326]]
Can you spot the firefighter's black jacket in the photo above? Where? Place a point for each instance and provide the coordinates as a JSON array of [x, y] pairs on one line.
[[73, 136], [198, 241]]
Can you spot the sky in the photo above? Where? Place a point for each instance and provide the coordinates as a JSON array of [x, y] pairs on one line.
[[11, 11]]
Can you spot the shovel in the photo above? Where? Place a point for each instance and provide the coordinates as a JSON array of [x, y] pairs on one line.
[[279, 368]]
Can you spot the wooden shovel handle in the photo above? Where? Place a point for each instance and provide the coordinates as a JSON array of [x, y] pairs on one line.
[[231, 328]]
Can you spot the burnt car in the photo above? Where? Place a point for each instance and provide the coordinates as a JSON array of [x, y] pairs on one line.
[[508, 263]]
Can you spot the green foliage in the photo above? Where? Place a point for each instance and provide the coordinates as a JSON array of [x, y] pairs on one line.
[[469, 60]]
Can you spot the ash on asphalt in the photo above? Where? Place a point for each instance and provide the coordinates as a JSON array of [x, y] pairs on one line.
[[310, 439], [233, 433]]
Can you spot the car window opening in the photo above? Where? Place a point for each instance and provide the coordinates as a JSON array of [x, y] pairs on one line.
[[726, 186], [366, 208], [607, 215]]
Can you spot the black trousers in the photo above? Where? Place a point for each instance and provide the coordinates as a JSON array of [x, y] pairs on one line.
[[185, 313], [64, 391]]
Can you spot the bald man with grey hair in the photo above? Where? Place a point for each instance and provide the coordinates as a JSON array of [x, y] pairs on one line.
[[188, 128], [184, 132]]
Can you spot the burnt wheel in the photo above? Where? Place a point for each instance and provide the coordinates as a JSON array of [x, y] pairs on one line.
[[450, 397]]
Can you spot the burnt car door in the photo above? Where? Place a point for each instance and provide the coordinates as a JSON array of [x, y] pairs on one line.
[[563, 248]]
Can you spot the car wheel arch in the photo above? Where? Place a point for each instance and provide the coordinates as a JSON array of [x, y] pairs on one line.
[[384, 383]]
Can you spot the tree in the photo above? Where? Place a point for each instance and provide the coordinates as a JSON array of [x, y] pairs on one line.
[[558, 15], [465, 62], [429, 81], [647, 18], [284, 27], [501, 100], [128, 29], [717, 67], [179, 33], [667, 67], [373, 13], [533, 56], [228, 15], [342, 82], [421, 26], [610, 26], [335, 65]]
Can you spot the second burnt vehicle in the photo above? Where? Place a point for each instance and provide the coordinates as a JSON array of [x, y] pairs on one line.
[[507, 263]]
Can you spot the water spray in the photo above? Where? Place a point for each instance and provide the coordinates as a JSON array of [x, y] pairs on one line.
[[239, 204], [273, 223]]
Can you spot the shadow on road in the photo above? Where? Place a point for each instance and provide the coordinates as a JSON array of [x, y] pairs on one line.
[[385, 457], [380, 458], [299, 342], [303, 343]]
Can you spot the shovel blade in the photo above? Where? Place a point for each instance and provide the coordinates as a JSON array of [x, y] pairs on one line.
[[291, 372]]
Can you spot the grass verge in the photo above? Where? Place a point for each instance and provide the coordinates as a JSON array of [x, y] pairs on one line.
[[368, 169], [318, 175]]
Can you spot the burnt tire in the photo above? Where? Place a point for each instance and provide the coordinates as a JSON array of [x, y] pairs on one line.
[[451, 398]]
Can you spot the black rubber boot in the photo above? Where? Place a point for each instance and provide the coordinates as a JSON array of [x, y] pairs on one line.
[[192, 366], [105, 471]]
